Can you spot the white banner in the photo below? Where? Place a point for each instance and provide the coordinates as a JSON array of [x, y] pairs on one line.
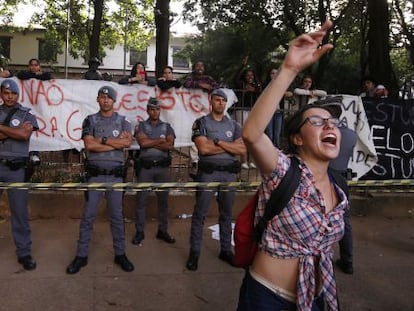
[[354, 116], [61, 106]]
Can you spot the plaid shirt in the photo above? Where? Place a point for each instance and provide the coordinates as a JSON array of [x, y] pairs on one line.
[[304, 230], [193, 81]]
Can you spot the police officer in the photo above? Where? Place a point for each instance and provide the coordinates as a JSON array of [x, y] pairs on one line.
[[156, 140], [348, 142], [218, 140], [16, 127], [105, 135]]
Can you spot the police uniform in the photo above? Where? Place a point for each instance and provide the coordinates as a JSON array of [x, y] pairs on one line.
[[153, 166], [348, 141], [104, 167], [14, 157], [223, 167]]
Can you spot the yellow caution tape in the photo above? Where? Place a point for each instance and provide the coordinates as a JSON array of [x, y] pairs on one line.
[[403, 185]]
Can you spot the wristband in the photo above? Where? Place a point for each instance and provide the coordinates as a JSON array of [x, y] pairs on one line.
[[216, 141], [104, 140]]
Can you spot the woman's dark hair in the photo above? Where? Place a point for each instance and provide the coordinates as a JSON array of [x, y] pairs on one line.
[[292, 125], [196, 62], [307, 76], [134, 70], [245, 72], [169, 67], [34, 60]]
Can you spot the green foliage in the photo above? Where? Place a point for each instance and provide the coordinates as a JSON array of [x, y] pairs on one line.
[[232, 29], [81, 17], [403, 68]]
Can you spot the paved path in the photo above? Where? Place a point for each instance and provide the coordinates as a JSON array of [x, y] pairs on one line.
[[383, 279]]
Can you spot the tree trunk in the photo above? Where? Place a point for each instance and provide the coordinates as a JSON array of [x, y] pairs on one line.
[[379, 62], [96, 29], [162, 25]]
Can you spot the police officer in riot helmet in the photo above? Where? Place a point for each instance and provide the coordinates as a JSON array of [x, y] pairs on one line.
[[156, 140], [16, 127], [218, 140], [105, 135]]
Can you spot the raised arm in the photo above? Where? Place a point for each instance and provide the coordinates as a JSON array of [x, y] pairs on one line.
[[303, 51]]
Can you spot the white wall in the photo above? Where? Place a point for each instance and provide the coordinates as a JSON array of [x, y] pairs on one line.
[[24, 46]]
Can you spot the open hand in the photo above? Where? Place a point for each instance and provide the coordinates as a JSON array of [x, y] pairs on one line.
[[307, 49]]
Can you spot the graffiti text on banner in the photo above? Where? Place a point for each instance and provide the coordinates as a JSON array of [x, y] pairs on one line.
[[61, 106], [392, 132]]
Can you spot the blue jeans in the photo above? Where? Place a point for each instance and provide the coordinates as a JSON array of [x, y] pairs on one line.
[[274, 128], [345, 244], [256, 297]]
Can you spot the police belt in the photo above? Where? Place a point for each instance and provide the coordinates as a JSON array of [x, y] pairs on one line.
[[93, 170], [208, 167], [15, 164], [146, 163]]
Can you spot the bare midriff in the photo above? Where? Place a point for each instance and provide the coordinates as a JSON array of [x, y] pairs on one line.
[[281, 272]]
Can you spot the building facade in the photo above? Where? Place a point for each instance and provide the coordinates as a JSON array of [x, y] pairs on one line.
[[21, 45]]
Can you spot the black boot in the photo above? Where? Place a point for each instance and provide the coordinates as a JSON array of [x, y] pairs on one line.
[[192, 262], [77, 264], [27, 262], [124, 263], [163, 235], [138, 238]]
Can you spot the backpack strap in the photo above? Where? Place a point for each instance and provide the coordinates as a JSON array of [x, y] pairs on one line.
[[280, 196], [340, 180]]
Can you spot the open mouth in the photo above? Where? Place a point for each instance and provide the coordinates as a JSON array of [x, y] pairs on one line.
[[329, 139]]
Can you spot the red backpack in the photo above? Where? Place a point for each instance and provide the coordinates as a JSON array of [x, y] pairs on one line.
[[246, 234]]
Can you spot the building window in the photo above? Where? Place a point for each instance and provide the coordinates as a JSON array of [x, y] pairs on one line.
[[5, 46], [137, 56], [46, 51], [179, 62]]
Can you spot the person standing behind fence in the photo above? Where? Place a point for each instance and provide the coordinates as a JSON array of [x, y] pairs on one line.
[[369, 85], [348, 141], [105, 135], [274, 128], [307, 93], [247, 89], [156, 140], [218, 140], [16, 127]]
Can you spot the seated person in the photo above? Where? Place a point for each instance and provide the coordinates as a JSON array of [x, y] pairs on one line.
[[93, 73], [4, 73], [34, 72], [138, 75], [167, 80], [197, 79]]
